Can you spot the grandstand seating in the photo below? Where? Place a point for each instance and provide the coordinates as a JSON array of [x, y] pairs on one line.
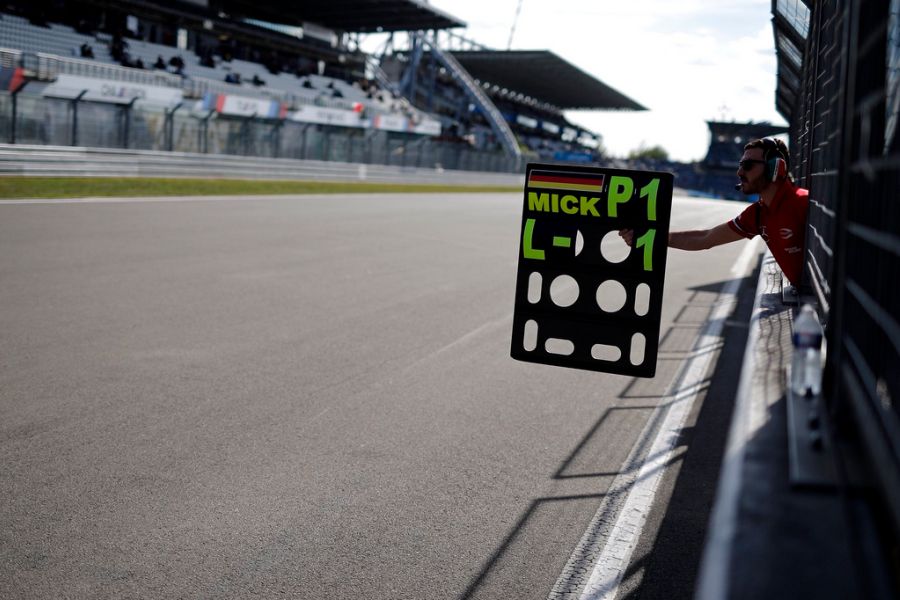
[[538, 128], [440, 93], [16, 32], [448, 101], [256, 80], [63, 41]]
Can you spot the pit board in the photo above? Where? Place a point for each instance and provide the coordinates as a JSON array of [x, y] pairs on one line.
[[584, 298]]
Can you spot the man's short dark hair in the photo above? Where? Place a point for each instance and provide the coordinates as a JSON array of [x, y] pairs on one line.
[[773, 148]]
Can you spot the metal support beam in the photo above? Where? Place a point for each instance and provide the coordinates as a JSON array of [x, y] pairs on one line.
[[126, 129], [15, 110], [170, 127], [74, 137]]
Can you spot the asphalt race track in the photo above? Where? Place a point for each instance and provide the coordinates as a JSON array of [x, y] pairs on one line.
[[306, 397]]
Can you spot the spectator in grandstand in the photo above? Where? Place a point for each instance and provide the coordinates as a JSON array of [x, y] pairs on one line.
[[118, 47], [234, 78], [125, 60], [257, 81], [86, 51], [138, 64], [160, 63], [177, 64], [779, 216]]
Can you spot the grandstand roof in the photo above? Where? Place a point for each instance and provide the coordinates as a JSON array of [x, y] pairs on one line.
[[355, 16], [747, 130], [544, 76]]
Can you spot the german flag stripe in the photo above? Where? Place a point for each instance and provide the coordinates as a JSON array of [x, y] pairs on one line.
[[548, 178], [552, 185]]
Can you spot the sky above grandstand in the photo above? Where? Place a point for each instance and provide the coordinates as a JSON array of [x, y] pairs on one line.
[[688, 61]]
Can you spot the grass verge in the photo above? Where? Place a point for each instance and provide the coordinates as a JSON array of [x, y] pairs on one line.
[[82, 187]]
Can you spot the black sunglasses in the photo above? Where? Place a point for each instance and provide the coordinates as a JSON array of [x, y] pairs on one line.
[[748, 163]]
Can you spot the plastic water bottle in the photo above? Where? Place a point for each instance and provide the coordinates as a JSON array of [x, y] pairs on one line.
[[806, 365]]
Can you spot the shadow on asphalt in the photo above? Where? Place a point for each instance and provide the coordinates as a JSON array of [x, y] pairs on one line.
[[669, 570]]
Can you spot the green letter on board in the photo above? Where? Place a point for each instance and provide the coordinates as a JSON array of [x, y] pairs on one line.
[[538, 202], [527, 250], [620, 190]]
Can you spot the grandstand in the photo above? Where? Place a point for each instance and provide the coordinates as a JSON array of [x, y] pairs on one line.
[[276, 79], [512, 98], [716, 173], [231, 77], [273, 79]]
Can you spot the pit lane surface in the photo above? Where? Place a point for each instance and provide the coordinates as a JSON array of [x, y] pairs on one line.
[[309, 396]]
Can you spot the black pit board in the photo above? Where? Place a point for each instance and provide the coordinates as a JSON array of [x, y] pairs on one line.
[[564, 276]]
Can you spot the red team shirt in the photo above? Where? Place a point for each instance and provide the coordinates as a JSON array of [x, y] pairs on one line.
[[781, 225]]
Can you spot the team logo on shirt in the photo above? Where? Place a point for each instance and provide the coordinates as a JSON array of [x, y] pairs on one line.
[[786, 233]]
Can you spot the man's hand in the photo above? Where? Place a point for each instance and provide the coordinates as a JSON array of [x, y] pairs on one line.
[[627, 235]]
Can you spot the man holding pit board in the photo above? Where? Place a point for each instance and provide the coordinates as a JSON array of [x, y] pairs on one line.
[[779, 216]]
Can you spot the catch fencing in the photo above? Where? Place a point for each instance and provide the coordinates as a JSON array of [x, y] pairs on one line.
[[847, 152], [37, 120]]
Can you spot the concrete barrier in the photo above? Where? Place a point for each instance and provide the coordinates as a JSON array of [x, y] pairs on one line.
[[57, 161]]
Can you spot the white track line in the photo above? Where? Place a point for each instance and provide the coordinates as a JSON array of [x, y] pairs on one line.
[[749, 417], [612, 562]]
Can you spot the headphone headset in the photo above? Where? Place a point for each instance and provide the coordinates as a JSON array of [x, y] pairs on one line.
[[774, 164]]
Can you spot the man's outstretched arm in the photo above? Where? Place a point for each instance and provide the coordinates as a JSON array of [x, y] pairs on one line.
[[700, 239], [703, 239]]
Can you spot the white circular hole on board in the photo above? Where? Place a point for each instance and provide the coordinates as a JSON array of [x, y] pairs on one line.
[[579, 243], [530, 339], [642, 300], [611, 296], [606, 352], [638, 348], [564, 291], [613, 247], [559, 346], [534, 287]]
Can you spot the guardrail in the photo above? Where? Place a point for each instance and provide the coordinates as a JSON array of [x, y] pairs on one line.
[[56, 161]]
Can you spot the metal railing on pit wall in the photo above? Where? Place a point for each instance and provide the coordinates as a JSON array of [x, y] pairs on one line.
[[850, 161]]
